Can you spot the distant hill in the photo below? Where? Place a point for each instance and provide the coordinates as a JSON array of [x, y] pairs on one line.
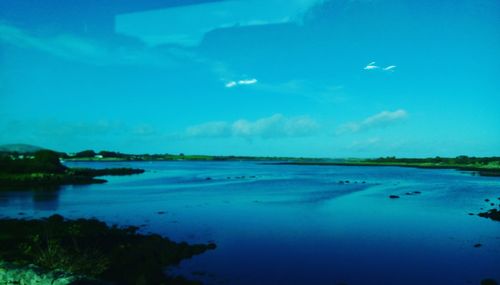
[[20, 148]]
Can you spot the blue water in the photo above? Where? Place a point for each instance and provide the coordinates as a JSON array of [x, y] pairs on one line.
[[288, 224]]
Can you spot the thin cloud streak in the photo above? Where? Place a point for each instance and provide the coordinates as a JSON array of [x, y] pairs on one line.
[[381, 119], [275, 126], [247, 81], [371, 66], [88, 51], [232, 84], [64, 46]]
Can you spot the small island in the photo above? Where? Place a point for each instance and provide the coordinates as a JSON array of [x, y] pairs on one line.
[[44, 168]]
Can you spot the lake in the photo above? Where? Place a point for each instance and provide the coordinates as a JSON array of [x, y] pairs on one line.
[[292, 224]]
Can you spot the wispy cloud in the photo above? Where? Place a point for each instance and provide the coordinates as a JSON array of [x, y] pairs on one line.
[[62, 46], [389, 68], [231, 84], [365, 144], [247, 81], [43, 130], [210, 129], [77, 135], [372, 66], [89, 51], [378, 120], [143, 130], [53, 128], [274, 126]]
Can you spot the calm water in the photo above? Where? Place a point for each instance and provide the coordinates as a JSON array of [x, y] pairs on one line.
[[285, 224]]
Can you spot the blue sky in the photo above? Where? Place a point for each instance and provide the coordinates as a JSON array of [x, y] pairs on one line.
[[340, 78]]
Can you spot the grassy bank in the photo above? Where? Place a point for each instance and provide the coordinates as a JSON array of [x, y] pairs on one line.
[[487, 166], [45, 169], [90, 248]]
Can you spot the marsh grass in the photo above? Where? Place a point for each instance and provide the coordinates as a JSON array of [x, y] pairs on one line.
[[91, 248]]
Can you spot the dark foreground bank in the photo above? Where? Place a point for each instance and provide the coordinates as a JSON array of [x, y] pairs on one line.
[[93, 251]]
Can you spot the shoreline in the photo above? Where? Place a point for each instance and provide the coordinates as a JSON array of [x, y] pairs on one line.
[[481, 171], [72, 176], [89, 251]]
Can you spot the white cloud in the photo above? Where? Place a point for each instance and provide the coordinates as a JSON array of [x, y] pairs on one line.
[[274, 126], [390, 68], [378, 120], [247, 81], [231, 84], [371, 66]]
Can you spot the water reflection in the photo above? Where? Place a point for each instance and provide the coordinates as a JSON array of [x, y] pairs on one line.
[[39, 198]]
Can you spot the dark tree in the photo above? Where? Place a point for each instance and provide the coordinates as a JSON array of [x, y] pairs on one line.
[[85, 153], [48, 161]]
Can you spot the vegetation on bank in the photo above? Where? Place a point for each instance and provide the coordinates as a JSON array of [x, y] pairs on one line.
[[90, 248], [104, 155], [484, 166], [44, 168], [116, 156]]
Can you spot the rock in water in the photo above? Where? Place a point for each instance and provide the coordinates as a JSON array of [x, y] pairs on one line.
[[489, 282]]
